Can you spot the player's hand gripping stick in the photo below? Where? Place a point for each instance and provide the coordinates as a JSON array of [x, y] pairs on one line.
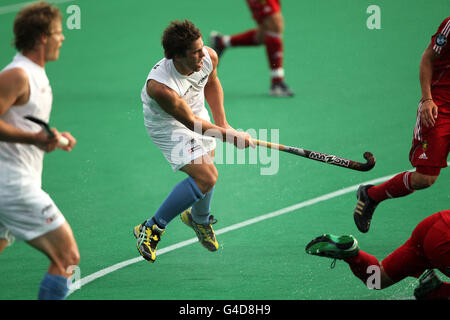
[[62, 140]]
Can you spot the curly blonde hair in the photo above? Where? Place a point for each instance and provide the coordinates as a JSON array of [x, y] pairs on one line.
[[31, 22]]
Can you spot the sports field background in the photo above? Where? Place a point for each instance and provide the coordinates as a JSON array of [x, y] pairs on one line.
[[356, 90]]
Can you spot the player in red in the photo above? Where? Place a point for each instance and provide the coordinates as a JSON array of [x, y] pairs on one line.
[[431, 138], [427, 248], [269, 32]]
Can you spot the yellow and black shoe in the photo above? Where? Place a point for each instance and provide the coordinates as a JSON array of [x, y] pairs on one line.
[[147, 240], [137, 229], [205, 232]]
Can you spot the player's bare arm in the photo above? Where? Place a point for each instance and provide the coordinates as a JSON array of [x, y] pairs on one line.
[[174, 105], [429, 110], [214, 93], [14, 90], [214, 97], [177, 107]]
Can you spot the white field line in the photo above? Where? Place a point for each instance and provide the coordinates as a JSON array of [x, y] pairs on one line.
[[83, 281]]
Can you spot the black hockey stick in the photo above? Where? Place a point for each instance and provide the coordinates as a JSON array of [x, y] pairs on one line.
[[323, 157]]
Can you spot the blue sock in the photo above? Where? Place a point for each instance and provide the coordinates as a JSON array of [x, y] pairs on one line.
[[53, 287], [201, 209], [182, 196]]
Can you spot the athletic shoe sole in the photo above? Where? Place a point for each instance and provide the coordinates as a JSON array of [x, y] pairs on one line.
[[331, 246]]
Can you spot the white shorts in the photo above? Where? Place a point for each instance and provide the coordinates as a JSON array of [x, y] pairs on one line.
[[28, 214], [181, 146]]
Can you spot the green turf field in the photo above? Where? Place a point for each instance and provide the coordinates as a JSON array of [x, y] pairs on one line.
[[356, 90]]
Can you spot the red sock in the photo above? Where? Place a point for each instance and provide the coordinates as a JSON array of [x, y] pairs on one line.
[[398, 186], [274, 49], [443, 292], [247, 38], [359, 265]]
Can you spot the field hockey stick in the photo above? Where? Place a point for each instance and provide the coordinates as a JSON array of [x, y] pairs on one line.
[[330, 159], [62, 140]]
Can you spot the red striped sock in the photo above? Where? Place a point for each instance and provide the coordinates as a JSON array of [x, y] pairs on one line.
[[398, 186], [274, 49], [247, 38]]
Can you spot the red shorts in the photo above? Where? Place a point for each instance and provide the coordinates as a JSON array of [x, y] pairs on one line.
[[427, 248], [430, 145], [263, 8]]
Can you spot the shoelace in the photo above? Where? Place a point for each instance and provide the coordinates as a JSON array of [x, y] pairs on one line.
[[204, 229], [333, 264], [142, 236], [212, 220], [146, 234]]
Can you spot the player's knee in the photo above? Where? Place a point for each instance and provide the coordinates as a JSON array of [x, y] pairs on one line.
[[74, 258], [422, 181], [430, 180], [211, 180], [208, 180], [215, 177], [278, 28], [385, 280], [69, 258], [273, 24]]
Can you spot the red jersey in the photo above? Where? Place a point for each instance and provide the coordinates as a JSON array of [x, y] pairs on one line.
[[445, 215], [440, 83]]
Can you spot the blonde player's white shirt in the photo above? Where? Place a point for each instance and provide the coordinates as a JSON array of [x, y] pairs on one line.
[[190, 88], [21, 164]]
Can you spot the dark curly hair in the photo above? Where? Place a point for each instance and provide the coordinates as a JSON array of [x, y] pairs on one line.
[[31, 22], [178, 38]]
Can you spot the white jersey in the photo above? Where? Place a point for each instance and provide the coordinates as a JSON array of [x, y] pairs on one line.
[[190, 88], [21, 164]]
